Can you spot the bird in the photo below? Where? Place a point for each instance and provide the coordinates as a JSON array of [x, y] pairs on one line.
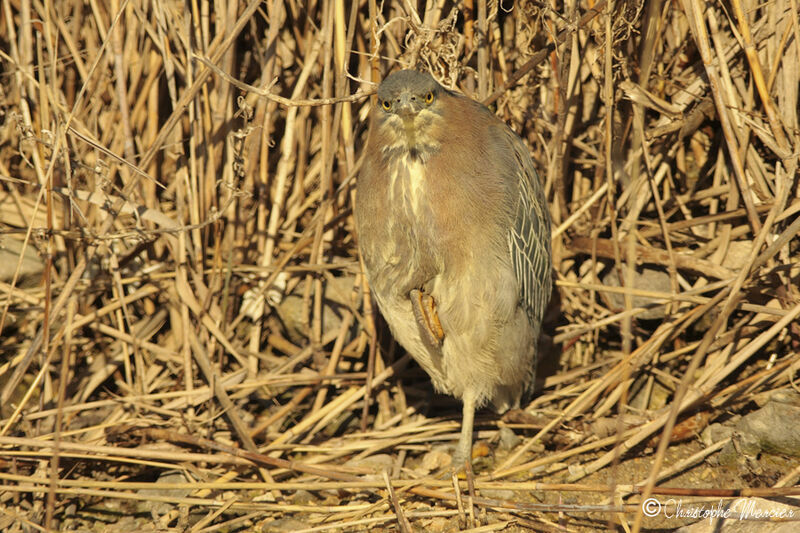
[[453, 229]]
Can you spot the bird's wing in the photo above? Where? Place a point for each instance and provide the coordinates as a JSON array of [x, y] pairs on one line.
[[529, 238]]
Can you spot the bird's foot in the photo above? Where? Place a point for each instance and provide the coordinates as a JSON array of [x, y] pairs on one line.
[[459, 467], [461, 462], [424, 307]]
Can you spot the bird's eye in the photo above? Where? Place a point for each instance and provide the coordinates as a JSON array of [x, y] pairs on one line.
[[386, 104], [429, 97]]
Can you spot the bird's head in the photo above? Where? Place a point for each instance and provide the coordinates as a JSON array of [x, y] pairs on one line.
[[410, 107]]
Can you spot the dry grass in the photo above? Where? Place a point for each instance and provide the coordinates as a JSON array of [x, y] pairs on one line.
[[191, 299]]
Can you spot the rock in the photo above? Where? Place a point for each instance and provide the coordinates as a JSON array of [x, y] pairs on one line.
[[159, 508], [737, 254], [283, 525], [715, 432], [32, 265], [303, 497], [646, 397], [372, 464], [507, 439], [433, 460], [767, 429], [646, 278], [337, 297]]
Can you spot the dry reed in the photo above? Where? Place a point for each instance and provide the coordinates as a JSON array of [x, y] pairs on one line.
[[185, 294]]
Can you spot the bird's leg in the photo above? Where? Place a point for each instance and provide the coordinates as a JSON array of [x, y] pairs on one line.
[[464, 450], [424, 307]]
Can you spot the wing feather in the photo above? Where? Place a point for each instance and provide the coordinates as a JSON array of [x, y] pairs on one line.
[[529, 236]]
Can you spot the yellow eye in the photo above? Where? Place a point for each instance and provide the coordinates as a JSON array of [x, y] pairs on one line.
[[386, 104], [429, 97]]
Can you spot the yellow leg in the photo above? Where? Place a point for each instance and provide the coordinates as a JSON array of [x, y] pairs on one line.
[[464, 451]]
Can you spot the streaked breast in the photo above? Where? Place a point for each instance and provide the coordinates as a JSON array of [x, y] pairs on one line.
[[408, 187]]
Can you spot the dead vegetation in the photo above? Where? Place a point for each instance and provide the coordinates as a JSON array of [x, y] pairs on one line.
[[185, 338]]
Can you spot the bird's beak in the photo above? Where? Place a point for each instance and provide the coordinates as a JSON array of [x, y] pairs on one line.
[[406, 108]]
